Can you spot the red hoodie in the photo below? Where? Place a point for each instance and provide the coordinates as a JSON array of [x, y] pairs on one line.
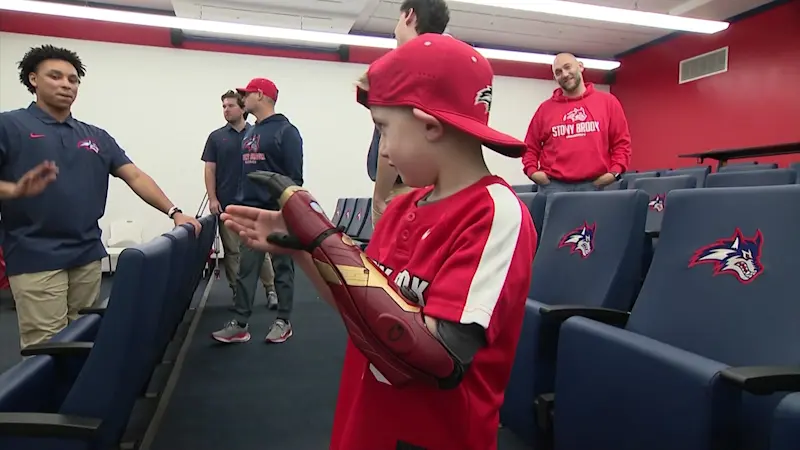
[[578, 139]]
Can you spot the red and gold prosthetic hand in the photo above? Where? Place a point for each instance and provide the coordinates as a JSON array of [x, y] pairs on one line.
[[388, 328]]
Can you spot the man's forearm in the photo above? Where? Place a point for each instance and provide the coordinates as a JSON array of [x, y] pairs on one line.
[[147, 189], [211, 183], [7, 190]]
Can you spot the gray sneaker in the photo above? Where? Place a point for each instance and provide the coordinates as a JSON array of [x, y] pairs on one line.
[[280, 331], [231, 333], [272, 300]]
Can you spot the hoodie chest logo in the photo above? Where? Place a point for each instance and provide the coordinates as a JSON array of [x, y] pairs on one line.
[[251, 147], [575, 123]]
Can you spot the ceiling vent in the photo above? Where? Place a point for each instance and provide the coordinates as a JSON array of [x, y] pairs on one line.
[[705, 65]]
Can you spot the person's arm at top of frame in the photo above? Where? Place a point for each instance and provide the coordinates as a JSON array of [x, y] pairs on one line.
[[145, 187], [619, 138], [292, 149], [34, 181], [210, 175]]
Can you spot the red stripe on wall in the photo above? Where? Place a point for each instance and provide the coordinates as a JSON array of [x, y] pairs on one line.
[[756, 102], [64, 27]]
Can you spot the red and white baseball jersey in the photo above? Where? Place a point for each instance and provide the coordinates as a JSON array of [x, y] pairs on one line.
[[468, 257]]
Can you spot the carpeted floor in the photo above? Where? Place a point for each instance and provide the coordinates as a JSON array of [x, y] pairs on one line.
[[256, 395]]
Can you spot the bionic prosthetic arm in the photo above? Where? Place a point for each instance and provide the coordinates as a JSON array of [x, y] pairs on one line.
[[384, 322]]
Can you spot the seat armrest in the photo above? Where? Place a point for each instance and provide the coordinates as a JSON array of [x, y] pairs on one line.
[[652, 234], [98, 308], [58, 349], [560, 313], [41, 425], [764, 380]]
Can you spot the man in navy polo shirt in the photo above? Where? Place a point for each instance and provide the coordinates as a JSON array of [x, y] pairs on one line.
[[54, 183], [223, 172], [272, 144]]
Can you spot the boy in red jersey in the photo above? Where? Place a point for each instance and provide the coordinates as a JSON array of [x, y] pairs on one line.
[[461, 247]]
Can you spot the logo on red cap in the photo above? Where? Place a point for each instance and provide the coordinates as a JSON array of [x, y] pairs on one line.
[[484, 96]]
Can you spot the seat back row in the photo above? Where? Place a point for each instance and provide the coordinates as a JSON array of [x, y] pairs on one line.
[[77, 391]]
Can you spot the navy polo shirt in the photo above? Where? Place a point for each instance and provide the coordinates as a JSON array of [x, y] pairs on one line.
[[58, 228], [273, 145], [224, 148]]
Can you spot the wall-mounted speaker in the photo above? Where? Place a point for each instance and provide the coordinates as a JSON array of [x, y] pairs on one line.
[[344, 53], [176, 37]]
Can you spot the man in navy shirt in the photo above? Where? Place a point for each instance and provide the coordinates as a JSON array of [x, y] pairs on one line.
[[416, 17], [53, 187], [272, 144], [223, 158]]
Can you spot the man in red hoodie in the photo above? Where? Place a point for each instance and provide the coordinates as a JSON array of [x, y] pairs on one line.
[[578, 140]]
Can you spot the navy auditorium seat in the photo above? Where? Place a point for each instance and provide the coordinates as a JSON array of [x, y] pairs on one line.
[[630, 177], [360, 213], [95, 411], [589, 254], [769, 177], [347, 213], [796, 167], [785, 430], [617, 185], [525, 188], [337, 213], [699, 172], [715, 299], [536, 206], [657, 190], [746, 166]]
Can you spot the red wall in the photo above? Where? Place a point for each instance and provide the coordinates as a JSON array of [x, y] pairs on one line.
[[757, 102], [14, 22]]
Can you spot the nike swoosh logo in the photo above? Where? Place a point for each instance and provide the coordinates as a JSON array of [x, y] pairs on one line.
[[34, 136]]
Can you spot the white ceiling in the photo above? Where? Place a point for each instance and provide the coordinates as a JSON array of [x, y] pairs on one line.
[[488, 26]]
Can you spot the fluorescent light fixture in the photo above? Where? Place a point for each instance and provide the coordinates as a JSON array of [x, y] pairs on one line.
[[606, 14], [272, 33]]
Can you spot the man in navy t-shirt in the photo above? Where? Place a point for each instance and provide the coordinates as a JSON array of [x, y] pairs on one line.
[[53, 187], [223, 172], [273, 144]]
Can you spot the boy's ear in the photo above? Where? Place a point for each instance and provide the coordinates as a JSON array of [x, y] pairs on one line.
[[433, 128]]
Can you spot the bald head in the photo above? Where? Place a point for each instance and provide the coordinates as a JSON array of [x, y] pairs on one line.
[[567, 71]]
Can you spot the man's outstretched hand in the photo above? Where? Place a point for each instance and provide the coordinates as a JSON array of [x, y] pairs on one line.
[[36, 180], [253, 225]]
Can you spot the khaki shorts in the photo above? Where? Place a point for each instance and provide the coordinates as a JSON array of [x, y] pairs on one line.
[[48, 301]]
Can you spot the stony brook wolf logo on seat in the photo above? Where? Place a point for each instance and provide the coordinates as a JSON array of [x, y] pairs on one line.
[[580, 240], [657, 203], [737, 255]]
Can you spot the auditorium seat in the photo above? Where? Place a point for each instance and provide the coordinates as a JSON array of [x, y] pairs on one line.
[[785, 429], [347, 213], [630, 177], [337, 213], [536, 205], [525, 188], [366, 231], [617, 185], [746, 166], [589, 254], [715, 300], [95, 411], [769, 177], [657, 190], [796, 167], [699, 172], [360, 211]]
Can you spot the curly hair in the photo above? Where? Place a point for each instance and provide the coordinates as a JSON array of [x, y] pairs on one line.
[[36, 55]]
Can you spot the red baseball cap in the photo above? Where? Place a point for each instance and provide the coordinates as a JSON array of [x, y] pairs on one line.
[[445, 78], [262, 85]]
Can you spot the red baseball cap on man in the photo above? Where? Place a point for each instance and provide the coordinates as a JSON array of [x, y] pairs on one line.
[[262, 85], [445, 78]]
